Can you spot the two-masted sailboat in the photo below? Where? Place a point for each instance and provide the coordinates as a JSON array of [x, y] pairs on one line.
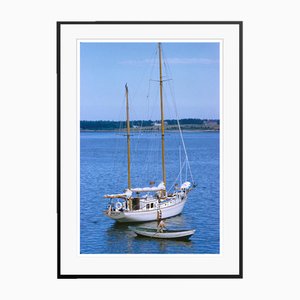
[[141, 204]]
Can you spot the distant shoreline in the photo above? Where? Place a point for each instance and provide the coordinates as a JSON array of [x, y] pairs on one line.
[[171, 125], [149, 131]]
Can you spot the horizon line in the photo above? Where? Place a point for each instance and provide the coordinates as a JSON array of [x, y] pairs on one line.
[[209, 119]]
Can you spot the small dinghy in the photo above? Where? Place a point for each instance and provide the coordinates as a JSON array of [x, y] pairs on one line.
[[183, 234]]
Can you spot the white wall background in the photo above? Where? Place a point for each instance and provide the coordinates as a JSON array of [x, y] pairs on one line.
[[28, 149]]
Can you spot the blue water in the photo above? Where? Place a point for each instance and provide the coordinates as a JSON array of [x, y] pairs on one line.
[[103, 170]]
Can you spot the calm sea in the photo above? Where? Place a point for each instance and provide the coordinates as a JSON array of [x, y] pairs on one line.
[[103, 170]]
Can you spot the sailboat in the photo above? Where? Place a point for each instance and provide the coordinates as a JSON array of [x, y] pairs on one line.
[[142, 204]]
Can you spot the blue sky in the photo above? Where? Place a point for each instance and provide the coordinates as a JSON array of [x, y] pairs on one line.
[[190, 70]]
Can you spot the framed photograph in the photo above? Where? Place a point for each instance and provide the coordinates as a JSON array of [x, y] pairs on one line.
[[149, 126]]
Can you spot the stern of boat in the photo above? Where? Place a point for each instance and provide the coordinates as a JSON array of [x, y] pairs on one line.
[[114, 214]]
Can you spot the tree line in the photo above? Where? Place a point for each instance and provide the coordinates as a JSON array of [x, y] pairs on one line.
[[115, 125]]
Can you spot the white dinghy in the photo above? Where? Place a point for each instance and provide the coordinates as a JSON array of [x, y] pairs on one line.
[[183, 234]]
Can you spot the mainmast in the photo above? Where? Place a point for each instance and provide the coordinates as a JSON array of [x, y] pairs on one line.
[[162, 116], [128, 136]]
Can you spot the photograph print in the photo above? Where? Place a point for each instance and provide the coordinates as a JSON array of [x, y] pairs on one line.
[[149, 148]]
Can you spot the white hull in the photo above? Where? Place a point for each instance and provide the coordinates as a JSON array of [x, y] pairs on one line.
[[147, 215]]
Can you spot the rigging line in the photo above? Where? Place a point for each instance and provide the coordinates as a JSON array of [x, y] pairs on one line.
[[144, 74], [183, 143], [115, 147], [171, 115], [147, 96], [151, 110], [142, 121], [168, 73], [118, 139], [156, 142], [180, 131], [168, 70], [149, 83], [180, 179], [150, 154], [153, 145], [186, 173], [166, 64], [184, 163], [149, 158]]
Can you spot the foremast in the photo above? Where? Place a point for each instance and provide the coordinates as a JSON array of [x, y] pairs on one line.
[[128, 137], [128, 147], [162, 116]]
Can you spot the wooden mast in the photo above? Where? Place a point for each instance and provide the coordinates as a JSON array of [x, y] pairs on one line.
[[162, 116], [128, 137]]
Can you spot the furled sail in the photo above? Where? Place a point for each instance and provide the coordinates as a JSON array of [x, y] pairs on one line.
[[160, 187], [127, 194]]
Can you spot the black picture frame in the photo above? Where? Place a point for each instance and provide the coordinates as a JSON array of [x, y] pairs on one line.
[[59, 25]]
